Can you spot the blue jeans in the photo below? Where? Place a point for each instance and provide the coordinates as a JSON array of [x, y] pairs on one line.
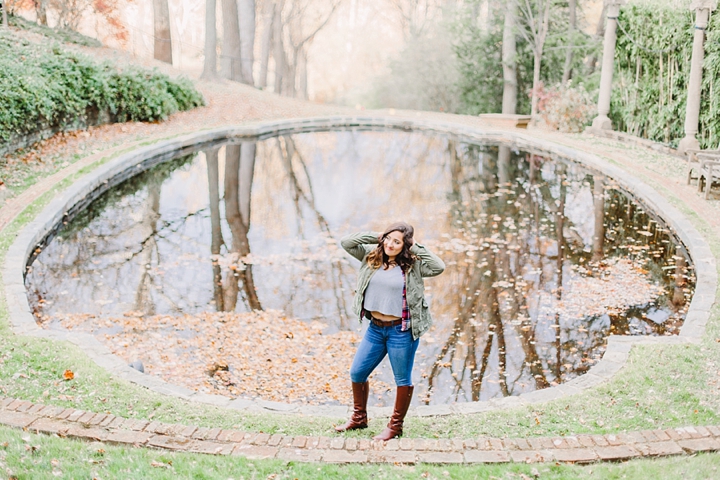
[[379, 341]]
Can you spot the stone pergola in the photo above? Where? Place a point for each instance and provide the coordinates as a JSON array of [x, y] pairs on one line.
[[602, 121], [702, 9]]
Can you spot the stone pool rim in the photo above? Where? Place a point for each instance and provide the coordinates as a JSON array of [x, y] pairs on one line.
[[23, 322]]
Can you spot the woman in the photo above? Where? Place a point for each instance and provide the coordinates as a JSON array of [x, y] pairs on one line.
[[390, 294]]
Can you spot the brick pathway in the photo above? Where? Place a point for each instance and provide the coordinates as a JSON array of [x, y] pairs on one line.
[[102, 427]]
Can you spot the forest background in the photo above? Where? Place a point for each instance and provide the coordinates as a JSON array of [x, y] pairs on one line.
[[458, 56]]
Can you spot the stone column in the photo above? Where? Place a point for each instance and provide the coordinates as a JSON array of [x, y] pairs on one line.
[[602, 122], [692, 110]]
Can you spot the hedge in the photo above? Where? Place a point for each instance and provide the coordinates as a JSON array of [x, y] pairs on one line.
[[44, 86]]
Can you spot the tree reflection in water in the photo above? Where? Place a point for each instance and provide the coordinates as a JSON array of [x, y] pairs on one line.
[[533, 237], [545, 259]]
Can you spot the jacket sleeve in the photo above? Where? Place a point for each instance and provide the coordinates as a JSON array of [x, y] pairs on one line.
[[359, 244], [430, 264]]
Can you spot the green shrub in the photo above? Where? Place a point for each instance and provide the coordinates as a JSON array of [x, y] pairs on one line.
[[649, 89], [649, 93], [48, 86]]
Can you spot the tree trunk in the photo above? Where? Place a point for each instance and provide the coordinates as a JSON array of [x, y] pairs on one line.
[[238, 228], [509, 60], [560, 231], [290, 87], [247, 171], [265, 42], [216, 239], [599, 208], [40, 10], [538, 52], [496, 325], [680, 278], [539, 45], [232, 216], [279, 50], [231, 66], [567, 70], [210, 65], [536, 82], [504, 167], [599, 33], [143, 295], [163, 42], [301, 61], [246, 11], [4, 9], [560, 262], [490, 20]]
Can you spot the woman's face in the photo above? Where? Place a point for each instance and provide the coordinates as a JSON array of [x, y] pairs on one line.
[[393, 243]]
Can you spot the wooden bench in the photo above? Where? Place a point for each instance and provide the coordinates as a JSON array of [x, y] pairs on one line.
[[693, 163], [708, 170], [506, 120]]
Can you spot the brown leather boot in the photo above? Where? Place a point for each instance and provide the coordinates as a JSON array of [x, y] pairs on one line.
[[359, 416], [395, 426]]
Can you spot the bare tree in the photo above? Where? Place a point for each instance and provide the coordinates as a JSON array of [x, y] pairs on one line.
[[239, 161], [246, 11], [509, 60], [163, 42], [69, 13], [302, 192], [266, 42], [210, 65], [143, 297], [301, 73], [40, 10], [592, 60], [216, 240], [680, 277], [278, 47], [247, 173], [231, 53], [415, 15], [295, 25], [599, 207], [534, 24], [572, 25]]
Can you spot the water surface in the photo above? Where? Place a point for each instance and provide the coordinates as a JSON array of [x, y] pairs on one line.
[[544, 258]]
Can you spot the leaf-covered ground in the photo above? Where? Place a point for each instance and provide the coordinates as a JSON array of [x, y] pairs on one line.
[[252, 355]]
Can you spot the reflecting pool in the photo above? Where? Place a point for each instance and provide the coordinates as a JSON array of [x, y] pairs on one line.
[[545, 259]]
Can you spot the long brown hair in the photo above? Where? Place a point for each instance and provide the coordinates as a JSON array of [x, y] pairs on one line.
[[378, 258]]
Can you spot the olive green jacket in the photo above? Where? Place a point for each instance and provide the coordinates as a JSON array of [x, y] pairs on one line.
[[427, 265]]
